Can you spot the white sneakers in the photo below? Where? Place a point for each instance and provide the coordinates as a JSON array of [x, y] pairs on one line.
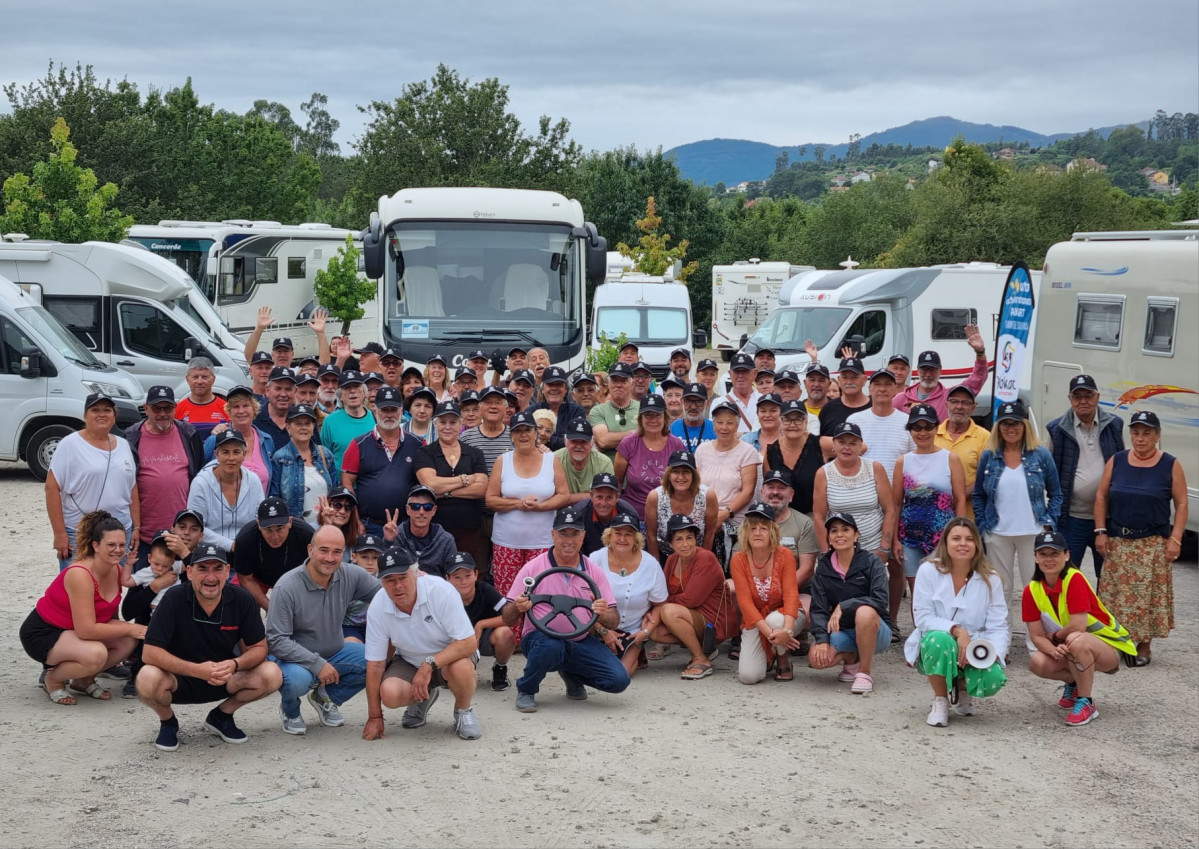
[[938, 717], [965, 705]]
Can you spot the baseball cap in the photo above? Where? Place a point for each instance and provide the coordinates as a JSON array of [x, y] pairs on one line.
[[847, 429], [671, 382], [1011, 411], [851, 364], [566, 518], [516, 349], [282, 342], [373, 375], [632, 345], [1051, 539], [461, 560], [882, 374], [283, 373], [477, 354], [227, 436], [388, 397], [209, 551], [839, 516], [304, 377], [447, 408], [436, 358], [370, 348], [272, 512], [308, 359], [770, 398], [350, 378], [240, 389], [929, 359], [327, 369], [762, 509], [369, 542], [899, 358], [161, 535], [922, 413], [786, 376], [680, 522], [585, 377], [421, 489], [741, 362], [641, 366], [510, 398], [490, 391], [261, 357], [1083, 381], [624, 520], [426, 393], [793, 406], [160, 395], [1147, 418], [695, 390], [397, 560], [605, 480], [621, 370], [961, 387], [188, 512], [776, 476], [469, 396], [579, 430], [393, 354], [297, 411], [464, 372], [97, 398], [553, 374], [707, 363], [343, 492], [764, 350], [763, 371], [818, 369], [522, 419], [681, 459], [680, 350], [652, 404], [723, 404], [525, 375]]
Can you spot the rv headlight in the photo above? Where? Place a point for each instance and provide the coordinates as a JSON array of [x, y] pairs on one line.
[[112, 390]]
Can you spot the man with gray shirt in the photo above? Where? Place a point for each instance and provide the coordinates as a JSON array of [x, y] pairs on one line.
[[303, 629]]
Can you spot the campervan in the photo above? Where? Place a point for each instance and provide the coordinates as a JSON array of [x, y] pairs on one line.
[[744, 295], [45, 376], [1117, 306]]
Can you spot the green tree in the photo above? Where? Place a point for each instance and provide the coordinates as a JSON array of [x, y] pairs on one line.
[[652, 254], [340, 289], [864, 222], [62, 202]]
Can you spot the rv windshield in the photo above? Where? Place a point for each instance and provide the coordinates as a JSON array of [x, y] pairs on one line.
[[453, 283], [58, 336], [643, 325], [189, 254], [789, 328]]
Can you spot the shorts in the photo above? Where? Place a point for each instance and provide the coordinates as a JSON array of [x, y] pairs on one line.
[[699, 623], [486, 649], [845, 640], [196, 691], [38, 636], [353, 631], [912, 558], [400, 668]]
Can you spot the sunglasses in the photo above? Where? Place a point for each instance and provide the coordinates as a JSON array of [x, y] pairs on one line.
[[620, 417], [921, 427], [342, 505], [423, 505]]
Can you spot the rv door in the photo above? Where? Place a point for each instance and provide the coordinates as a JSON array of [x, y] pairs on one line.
[[148, 343]]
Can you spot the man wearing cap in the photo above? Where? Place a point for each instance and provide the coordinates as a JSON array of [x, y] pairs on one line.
[[268, 548], [484, 606], [643, 378], [613, 419], [343, 426], [168, 454], [707, 372], [1081, 442], [694, 428], [580, 460], [464, 379], [329, 378], [306, 365], [379, 465], [900, 366], [600, 507], [585, 392], [680, 365], [260, 374], [503, 370], [884, 428], [307, 386], [202, 408], [368, 357], [744, 396], [205, 643], [628, 354], [391, 364], [418, 641], [303, 628], [764, 359], [816, 383], [524, 386], [553, 398], [961, 435], [852, 376], [582, 660], [280, 395], [430, 543], [786, 384], [929, 389]]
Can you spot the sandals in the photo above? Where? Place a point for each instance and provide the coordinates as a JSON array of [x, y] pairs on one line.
[[782, 670], [657, 651], [695, 671], [61, 696], [92, 691], [862, 684], [1141, 660]]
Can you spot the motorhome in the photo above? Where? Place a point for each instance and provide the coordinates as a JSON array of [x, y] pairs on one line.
[[127, 306], [744, 295], [45, 375], [894, 310], [462, 268], [1116, 306]]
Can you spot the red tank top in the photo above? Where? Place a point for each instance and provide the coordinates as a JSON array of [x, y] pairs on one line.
[[55, 605]]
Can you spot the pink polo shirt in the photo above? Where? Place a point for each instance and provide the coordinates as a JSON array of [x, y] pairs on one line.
[[560, 584]]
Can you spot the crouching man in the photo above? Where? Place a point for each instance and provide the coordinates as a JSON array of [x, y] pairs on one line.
[[418, 640]]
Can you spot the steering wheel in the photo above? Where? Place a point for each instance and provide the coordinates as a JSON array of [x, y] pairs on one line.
[[563, 605]]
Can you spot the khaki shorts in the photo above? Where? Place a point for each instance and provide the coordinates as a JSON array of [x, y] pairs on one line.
[[698, 622], [400, 668]]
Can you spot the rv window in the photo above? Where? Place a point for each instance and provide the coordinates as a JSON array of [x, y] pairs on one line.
[[951, 324], [1159, 326], [151, 332], [15, 343], [295, 267], [870, 325], [1097, 323], [81, 316]]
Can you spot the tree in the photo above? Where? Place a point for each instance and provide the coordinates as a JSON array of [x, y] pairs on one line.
[[316, 138], [818, 152], [62, 202], [340, 289], [652, 254], [279, 116]]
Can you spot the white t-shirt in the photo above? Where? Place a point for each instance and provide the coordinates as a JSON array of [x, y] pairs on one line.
[[1011, 503], [636, 592], [315, 489], [91, 478], [437, 619], [886, 437]]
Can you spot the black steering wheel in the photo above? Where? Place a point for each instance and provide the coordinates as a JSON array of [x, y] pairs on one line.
[[563, 605]]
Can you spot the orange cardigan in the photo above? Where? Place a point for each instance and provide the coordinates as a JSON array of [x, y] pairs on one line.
[[784, 593]]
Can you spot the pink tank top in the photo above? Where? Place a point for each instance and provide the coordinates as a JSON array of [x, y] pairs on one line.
[[55, 605]]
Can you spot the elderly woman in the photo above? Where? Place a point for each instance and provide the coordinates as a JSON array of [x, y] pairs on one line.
[[697, 600], [225, 492], [858, 487], [91, 470], [547, 422], [730, 468], [420, 406], [302, 472], [74, 631], [340, 508], [457, 473], [763, 574], [641, 456], [1134, 532], [639, 587], [797, 453], [957, 598], [242, 406], [681, 492]]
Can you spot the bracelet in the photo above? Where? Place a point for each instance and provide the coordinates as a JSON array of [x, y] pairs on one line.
[[1175, 539], [236, 667], [1101, 532]]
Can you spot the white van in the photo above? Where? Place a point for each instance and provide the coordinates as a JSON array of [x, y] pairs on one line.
[[744, 295], [1123, 308], [126, 305], [45, 375]]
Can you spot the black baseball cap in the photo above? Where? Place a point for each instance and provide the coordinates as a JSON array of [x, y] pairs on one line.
[[272, 512], [928, 359], [522, 419], [370, 348], [394, 354], [680, 350], [847, 429], [478, 354], [769, 398], [707, 363], [680, 522], [351, 377], [632, 345], [421, 489], [786, 376], [793, 406], [695, 390], [160, 395], [161, 535], [605, 480], [764, 350], [652, 404], [671, 382], [525, 375], [261, 357], [227, 436], [1011, 411], [741, 362], [839, 516], [470, 396], [308, 359], [369, 542], [298, 411], [304, 377], [681, 459], [882, 374], [460, 560], [239, 390], [426, 393], [1051, 539], [922, 413], [761, 509], [723, 404], [566, 518], [397, 560], [373, 375], [188, 512], [553, 374], [465, 372], [209, 551], [282, 342], [447, 408], [329, 369], [624, 520], [492, 390], [818, 369], [283, 373], [1146, 418], [641, 366], [436, 358], [517, 349], [899, 358], [776, 476], [98, 398], [585, 377], [343, 492], [621, 370], [961, 387], [1083, 381], [388, 396], [851, 364], [579, 430]]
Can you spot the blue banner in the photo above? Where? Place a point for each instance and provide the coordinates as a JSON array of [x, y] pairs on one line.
[[1011, 337]]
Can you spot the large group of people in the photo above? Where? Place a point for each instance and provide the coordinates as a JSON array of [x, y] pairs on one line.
[[282, 538]]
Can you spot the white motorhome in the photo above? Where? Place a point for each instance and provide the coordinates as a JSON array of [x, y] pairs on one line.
[[45, 375], [462, 268], [1117, 306], [744, 295], [128, 307], [895, 310]]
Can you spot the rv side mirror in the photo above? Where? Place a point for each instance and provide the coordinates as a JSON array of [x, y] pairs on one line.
[[597, 254], [742, 341], [191, 348], [700, 338], [372, 248], [31, 363]]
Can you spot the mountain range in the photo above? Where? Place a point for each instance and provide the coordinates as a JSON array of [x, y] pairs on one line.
[[731, 161]]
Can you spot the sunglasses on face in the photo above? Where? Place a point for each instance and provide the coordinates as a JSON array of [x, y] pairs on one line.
[[344, 506], [424, 505], [922, 427]]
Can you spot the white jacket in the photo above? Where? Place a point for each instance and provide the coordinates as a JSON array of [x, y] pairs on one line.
[[979, 608], [222, 521]]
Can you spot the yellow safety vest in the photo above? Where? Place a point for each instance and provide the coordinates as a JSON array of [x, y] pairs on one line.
[[1115, 635]]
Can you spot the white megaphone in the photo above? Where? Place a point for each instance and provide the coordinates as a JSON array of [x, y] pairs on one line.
[[981, 653]]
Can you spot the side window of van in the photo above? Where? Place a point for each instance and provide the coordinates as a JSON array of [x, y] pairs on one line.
[[152, 333], [81, 316], [872, 326], [1160, 317], [951, 324], [14, 344], [1099, 321]]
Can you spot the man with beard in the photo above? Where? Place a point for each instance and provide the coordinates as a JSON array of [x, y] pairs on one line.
[[928, 389], [329, 377], [694, 428], [380, 465], [816, 383]]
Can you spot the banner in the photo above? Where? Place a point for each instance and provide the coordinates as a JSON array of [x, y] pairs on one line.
[[1011, 337]]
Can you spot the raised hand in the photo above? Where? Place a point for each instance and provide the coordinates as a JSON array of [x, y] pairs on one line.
[[317, 322], [811, 350], [974, 338], [265, 318], [392, 529]]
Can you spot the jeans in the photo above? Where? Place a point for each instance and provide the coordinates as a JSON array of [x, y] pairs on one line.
[[588, 660], [350, 664], [1080, 535], [846, 640]]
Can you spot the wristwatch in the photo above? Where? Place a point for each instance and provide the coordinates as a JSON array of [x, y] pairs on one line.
[[432, 661]]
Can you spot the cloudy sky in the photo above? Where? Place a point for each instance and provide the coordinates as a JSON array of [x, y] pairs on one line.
[[650, 73]]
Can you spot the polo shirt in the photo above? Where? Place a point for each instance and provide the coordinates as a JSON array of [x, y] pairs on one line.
[[381, 482], [252, 555], [577, 481], [608, 415], [304, 622], [203, 417], [180, 626], [437, 619], [559, 584], [969, 447]]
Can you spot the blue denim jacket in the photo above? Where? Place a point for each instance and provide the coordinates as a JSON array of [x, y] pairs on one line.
[[287, 474], [1044, 488]]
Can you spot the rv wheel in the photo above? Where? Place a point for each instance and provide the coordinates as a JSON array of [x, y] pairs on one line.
[[41, 448]]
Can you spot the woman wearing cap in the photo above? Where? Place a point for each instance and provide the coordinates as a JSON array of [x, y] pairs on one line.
[[419, 407], [641, 456], [797, 452], [639, 587], [681, 492], [957, 598], [92, 469], [929, 488], [730, 468], [469, 411], [436, 377], [302, 472], [241, 406], [697, 600], [525, 488], [1073, 634], [1017, 494], [763, 573], [769, 430], [850, 617], [340, 508], [225, 492], [1134, 532], [411, 379], [71, 631], [457, 473], [850, 484]]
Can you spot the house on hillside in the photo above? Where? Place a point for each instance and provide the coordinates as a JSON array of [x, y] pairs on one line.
[[1048, 168], [934, 164], [1157, 178], [1006, 154], [1087, 164], [859, 177], [741, 187]]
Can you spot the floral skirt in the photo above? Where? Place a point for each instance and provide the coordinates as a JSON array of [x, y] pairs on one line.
[[505, 564], [1138, 586]]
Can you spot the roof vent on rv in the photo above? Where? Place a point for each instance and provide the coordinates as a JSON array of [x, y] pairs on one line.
[[14, 237], [849, 262]]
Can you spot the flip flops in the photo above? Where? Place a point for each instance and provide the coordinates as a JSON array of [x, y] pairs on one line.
[[695, 671], [92, 691]]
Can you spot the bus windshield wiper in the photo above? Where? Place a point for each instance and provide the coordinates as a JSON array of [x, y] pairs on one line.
[[481, 336]]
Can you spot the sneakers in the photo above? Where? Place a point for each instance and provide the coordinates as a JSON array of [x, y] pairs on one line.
[[222, 725], [326, 709], [938, 717], [574, 687], [848, 672], [862, 684], [499, 677], [964, 703], [168, 735], [467, 725], [526, 702], [129, 689], [1066, 702], [1084, 711], [292, 724], [417, 713], [120, 672]]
